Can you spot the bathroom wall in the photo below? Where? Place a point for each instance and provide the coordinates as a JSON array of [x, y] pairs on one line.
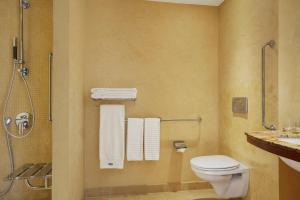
[[35, 148], [245, 26], [289, 63], [68, 112], [169, 53], [289, 95]]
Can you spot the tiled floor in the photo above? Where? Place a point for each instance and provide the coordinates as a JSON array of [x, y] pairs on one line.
[[204, 194]]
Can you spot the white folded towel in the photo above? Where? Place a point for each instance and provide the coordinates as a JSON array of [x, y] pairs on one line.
[[135, 139], [112, 136], [152, 138], [113, 93]]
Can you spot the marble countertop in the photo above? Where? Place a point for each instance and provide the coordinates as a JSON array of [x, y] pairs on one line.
[[268, 140]]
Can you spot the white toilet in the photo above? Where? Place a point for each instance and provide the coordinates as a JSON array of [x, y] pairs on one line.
[[229, 178]]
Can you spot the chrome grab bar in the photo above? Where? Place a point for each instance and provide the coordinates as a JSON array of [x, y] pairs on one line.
[[199, 119], [271, 44], [50, 56]]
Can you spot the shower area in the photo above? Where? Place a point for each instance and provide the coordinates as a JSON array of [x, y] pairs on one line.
[[25, 145]]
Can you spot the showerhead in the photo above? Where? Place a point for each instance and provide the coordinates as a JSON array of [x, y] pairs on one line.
[[271, 43], [25, 4]]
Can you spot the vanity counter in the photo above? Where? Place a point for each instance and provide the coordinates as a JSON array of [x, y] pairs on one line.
[[270, 141]]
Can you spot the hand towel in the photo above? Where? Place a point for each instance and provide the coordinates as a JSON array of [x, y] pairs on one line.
[[113, 93], [152, 138], [112, 136], [135, 139]]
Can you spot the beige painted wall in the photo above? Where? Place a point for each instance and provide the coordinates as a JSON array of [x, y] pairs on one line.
[[169, 53], [36, 147], [165, 50], [289, 95], [244, 28], [289, 62], [68, 101]]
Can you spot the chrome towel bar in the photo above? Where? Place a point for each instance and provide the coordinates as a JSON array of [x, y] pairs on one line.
[[199, 119]]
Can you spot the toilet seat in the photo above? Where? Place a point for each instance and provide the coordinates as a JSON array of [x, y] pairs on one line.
[[214, 163], [229, 177]]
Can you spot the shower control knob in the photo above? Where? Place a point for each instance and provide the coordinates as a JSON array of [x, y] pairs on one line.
[[26, 124], [23, 121]]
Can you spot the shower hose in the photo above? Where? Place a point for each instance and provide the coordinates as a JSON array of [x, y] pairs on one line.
[[8, 133]]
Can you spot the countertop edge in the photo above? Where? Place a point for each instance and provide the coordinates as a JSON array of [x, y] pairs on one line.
[[275, 148]]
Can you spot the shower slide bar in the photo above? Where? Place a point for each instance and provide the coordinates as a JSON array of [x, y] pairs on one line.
[[29, 172]]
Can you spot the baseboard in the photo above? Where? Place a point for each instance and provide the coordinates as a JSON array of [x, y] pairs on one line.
[[143, 189]]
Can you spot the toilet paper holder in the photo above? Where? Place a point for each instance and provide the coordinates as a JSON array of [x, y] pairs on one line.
[[180, 146]]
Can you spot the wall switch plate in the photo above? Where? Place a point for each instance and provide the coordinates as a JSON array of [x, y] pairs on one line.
[[240, 105]]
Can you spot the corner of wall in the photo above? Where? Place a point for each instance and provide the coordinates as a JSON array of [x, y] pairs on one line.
[[68, 160]]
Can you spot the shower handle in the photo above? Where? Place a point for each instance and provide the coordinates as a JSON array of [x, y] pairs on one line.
[[15, 48]]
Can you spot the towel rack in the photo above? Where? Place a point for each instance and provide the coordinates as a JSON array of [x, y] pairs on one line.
[[199, 119]]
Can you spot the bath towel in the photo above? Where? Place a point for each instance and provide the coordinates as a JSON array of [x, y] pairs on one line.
[[135, 139], [112, 136], [152, 138]]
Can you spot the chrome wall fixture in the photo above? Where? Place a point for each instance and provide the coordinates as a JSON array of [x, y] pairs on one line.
[[29, 172], [270, 44], [24, 4], [24, 126], [24, 121], [50, 57], [199, 119]]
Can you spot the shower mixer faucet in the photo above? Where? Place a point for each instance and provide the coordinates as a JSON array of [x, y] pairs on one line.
[[22, 122]]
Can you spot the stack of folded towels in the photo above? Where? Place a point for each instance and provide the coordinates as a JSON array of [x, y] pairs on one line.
[[113, 93]]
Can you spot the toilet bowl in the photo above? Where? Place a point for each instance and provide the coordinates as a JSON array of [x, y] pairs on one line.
[[228, 177]]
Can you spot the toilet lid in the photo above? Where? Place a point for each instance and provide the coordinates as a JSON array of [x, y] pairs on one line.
[[215, 163]]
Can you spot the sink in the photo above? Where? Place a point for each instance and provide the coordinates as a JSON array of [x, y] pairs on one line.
[[293, 164], [290, 140], [284, 144]]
